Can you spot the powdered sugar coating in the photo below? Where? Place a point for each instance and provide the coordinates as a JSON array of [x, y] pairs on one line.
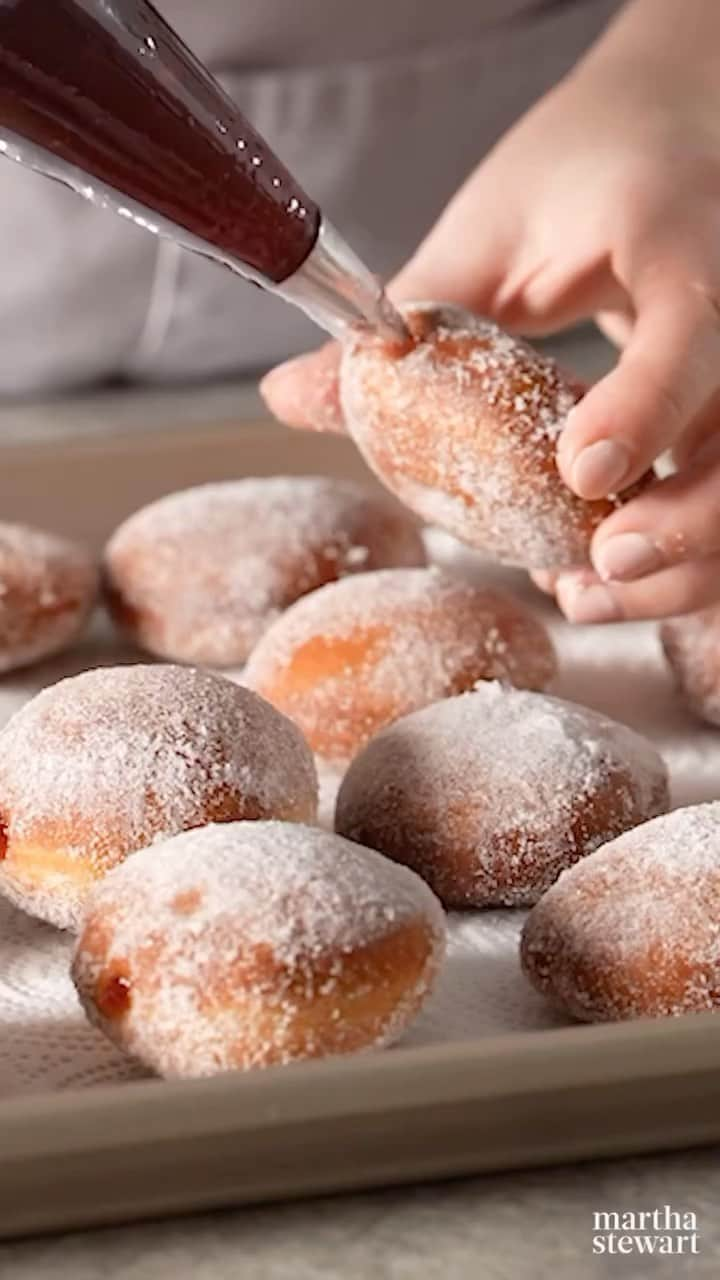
[[489, 796], [107, 762], [634, 930], [352, 657], [257, 943], [243, 551], [48, 586], [463, 427], [692, 648]]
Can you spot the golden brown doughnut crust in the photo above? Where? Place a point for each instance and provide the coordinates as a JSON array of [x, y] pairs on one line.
[[692, 648], [48, 586], [489, 797], [632, 931], [462, 424], [255, 944], [103, 764], [199, 576], [354, 656]]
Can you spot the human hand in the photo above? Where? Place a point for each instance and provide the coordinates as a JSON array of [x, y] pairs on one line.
[[603, 201]]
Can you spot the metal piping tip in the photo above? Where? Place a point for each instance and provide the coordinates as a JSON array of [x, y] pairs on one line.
[[388, 322], [339, 293]]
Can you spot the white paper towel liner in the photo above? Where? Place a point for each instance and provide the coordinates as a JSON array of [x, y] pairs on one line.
[[45, 1042]]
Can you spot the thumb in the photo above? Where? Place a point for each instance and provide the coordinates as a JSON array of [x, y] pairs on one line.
[[305, 392]]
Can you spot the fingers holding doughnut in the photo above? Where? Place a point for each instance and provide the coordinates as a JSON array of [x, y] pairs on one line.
[[664, 378], [585, 598], [305, 392], [657, 557], [672, 522]]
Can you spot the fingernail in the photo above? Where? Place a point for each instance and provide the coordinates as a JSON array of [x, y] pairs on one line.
[[627, 556], [585, 602], [600, 469]]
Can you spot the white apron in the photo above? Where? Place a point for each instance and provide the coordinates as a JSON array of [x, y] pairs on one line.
[[352, 98]]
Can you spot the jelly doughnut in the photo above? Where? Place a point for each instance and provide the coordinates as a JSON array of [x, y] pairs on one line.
[[491, 795], [462, 423], [633, 930], [48, 587], [692, 649], [253, 944], [107, 762], [198, 576], [350, 658]]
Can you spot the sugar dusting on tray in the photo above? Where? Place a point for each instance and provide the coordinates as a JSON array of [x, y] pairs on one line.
[[481, 991]]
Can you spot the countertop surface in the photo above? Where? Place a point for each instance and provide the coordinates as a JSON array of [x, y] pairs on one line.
[[516, 1226], [527, 1226]]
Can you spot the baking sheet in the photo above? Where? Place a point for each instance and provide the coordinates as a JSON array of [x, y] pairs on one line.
[[481, 992], [476, 1045]]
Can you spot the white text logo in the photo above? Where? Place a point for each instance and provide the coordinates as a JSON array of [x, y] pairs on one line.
[[661, 1231]]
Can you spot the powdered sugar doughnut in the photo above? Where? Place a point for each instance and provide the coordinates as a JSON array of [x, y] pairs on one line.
[[200, 575], [692, 648], [463, 425], [354, 656], [48, 587], [634, 930], [105, 763], [491, 795], [256, 943]]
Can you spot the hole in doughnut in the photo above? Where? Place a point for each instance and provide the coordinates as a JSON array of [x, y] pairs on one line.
[[3, 839], [113, 994]]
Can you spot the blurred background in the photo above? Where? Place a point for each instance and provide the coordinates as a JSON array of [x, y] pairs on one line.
[[380, 111]]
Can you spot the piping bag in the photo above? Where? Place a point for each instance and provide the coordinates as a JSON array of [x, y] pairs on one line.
[[104, 96]]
